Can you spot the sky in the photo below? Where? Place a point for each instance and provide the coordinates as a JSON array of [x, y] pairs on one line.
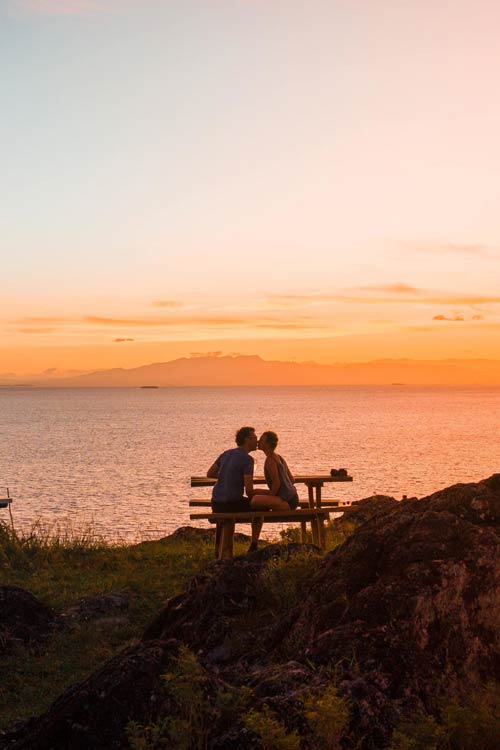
[[304, 181]]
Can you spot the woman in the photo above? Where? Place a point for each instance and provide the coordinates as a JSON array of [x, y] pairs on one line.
[[282, 494]]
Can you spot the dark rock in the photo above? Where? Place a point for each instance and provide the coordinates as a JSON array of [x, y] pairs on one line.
[[412, 600], [23, 618], [107, 609], [204, 616], [194, 534], [93, 715], [366, 509]]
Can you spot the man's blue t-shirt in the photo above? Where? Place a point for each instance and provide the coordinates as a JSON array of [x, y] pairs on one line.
[[233, 465]]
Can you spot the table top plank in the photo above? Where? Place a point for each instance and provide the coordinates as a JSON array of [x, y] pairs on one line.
[[308, 479]]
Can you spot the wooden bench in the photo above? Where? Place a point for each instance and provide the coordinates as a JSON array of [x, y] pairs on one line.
[[5, 502], [314, 510]]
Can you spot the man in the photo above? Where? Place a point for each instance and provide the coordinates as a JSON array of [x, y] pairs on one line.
[[234, 473]]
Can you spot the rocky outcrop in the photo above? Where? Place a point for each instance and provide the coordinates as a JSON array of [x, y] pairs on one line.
[[93, 715], [106, 610], [23, 618], [408, 608], [404, 614], [366, 509], [192, 534], [227, 591]]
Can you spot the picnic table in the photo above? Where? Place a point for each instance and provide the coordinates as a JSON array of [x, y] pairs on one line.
[[315, 510]]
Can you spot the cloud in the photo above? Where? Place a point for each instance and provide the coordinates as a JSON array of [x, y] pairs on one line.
[[46, 320], [391, 289], [119, 341], [289, 326], [478, 317], [197, 355], [199, 321], [36, 330], [421, 297], [419, 329], [170, 303], [455, 319], [166, 322]]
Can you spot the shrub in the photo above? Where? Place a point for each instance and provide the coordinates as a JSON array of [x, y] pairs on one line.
[[271, 732], [284, 579], [421, 732], [475, 722], [468, 723], [328, 716]]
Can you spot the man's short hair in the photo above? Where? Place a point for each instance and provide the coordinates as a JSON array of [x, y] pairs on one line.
[[243, 433]]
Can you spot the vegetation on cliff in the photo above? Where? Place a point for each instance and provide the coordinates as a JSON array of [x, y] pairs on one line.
[[390, 640]]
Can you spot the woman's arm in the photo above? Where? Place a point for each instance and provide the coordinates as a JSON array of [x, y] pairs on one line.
[[272, 468]]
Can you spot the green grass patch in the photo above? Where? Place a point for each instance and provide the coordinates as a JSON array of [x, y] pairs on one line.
[[61, 569]]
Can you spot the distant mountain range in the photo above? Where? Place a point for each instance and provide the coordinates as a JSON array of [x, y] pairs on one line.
[[212, 370]]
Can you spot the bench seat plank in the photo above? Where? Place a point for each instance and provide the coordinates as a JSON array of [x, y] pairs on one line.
[[204, 503], [268, 515]]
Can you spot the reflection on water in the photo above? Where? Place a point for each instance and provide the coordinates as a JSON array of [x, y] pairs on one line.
[[122, 458]]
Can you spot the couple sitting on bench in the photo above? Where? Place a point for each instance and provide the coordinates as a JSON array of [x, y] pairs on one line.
[[234, 473]]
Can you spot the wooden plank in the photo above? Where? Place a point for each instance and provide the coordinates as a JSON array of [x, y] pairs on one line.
[[206, 503], [309, 479], [293, 514], [272, 516]]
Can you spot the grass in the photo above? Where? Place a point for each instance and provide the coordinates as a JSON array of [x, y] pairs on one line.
[[60, 569]]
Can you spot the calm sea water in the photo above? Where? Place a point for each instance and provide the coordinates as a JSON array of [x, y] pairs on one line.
[[121, 459]]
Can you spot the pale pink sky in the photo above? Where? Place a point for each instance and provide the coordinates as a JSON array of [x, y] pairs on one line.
[[318, 180]]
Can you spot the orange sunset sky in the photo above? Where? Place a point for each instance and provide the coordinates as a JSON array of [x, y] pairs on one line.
[[303, 181]]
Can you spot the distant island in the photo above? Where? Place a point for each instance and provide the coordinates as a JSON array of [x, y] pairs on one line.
[[252, 370]]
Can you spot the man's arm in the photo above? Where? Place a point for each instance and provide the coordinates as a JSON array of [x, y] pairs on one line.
[[213, 471], [248, 480]]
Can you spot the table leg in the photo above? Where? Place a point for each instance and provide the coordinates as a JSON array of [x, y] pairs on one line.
[[318, 496], [321, 522], [227, 539], [218, 539], [303, 532], [314, 525], [321, 533]]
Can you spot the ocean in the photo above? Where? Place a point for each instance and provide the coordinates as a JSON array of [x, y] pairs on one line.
[[120, 460]]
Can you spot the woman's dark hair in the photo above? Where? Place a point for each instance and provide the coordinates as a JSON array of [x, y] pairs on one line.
[[271, 437], [243, 433]]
